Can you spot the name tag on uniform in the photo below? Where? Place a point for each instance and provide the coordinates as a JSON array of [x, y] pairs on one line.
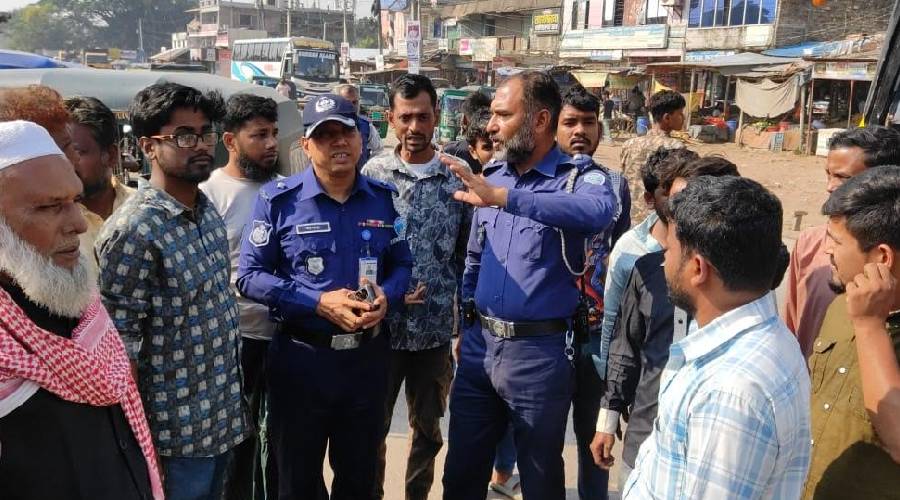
[[315, 227], [368, 268]]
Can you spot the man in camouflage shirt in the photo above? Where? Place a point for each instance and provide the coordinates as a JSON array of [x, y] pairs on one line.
[[437, 229], [667, 109]]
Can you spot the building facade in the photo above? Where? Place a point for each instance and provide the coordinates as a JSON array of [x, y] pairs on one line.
[[629, 32]]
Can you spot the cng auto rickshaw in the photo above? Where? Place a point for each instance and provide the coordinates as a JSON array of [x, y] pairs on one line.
[[451, 115], [373, 103]]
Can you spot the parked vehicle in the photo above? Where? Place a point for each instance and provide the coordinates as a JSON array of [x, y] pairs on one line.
[[373, 102], [117, 90], [883, 103], [450, 102], [312, 64]]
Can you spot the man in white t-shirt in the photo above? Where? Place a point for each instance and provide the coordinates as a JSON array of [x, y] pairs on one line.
[[251, 138]]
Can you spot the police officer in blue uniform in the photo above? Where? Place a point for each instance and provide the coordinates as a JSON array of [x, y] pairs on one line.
[[517, 353], [314, 238]]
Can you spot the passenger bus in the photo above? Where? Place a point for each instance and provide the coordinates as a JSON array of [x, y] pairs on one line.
[[312, 64]]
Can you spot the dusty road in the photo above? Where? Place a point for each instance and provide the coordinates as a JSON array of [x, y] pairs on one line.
[[798, 181]]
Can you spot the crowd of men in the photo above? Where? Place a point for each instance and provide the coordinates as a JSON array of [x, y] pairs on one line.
[[214, 332]]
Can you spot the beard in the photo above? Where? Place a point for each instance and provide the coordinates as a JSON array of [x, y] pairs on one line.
[[256, 171], [195, 171], [837, 286], [678, 296], [61, 291], [518, 148]]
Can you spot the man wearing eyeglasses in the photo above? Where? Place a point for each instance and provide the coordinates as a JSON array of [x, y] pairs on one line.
[[164, 277]]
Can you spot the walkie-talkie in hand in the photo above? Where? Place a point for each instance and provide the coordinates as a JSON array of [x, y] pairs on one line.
[[366, 293]]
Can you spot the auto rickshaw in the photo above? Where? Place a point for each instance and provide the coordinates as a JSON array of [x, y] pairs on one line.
[[451, 116], [373, 103]]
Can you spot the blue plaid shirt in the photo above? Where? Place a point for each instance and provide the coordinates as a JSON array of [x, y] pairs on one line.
[[164, 273], [733, 418]]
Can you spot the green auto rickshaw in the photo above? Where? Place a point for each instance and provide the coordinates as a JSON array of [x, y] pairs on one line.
[[451, 115], [373, 103]]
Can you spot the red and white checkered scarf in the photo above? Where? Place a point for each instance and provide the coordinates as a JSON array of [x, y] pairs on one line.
[[90, 368]]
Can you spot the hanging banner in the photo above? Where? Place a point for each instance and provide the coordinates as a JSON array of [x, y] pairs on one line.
[[413, 46]]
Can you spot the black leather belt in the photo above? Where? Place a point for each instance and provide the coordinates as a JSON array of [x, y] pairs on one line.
[[510, 329], [338, 341]]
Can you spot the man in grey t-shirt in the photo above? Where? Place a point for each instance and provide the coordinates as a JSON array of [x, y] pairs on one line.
[[251, 138]]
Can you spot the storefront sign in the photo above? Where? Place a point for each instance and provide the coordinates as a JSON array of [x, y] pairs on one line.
[[222, 40], [465, 46], [545, 22], [706, 55], [605, 55], [616, 38], [484, 49], [837, 70]]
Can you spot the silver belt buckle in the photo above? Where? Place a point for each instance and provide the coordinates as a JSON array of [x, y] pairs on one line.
[[345, 341], [504, 329]]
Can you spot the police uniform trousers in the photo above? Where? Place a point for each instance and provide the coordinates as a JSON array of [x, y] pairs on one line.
[[321, 397], [527, 382], [593, 482]]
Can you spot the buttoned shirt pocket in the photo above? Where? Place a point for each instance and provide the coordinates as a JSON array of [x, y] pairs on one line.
[[531, 239], [823, 349], [312, 255]]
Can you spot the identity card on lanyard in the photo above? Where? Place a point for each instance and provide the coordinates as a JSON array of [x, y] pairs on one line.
[[368, 265]]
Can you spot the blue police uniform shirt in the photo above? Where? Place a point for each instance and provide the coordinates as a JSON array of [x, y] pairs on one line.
[[514, 265], [301, 243]]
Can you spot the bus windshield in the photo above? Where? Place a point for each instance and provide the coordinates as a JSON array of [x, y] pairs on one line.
[[315, 64]]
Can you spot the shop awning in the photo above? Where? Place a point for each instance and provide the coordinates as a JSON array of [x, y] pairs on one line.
[[169, 55], [464, 9], [728, 65], [591, 79]]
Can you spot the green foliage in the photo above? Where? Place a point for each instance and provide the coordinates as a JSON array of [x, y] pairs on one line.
[[40, 26], [366, 31], [78, 24]]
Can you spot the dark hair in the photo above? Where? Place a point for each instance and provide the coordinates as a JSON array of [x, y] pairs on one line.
[[93, 114], [579, 98], [714, 166], [870, 204], [735, 224], [539, 91], [881, 145], [242, 108], [663, 159], [665, 101], [153, 106], [478, 129], [474, 103], [410, 86]]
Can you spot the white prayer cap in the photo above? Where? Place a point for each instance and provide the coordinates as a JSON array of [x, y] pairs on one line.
[[22, 141]]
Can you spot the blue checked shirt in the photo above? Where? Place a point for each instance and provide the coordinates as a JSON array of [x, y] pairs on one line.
[[164, 277], [733, 418]]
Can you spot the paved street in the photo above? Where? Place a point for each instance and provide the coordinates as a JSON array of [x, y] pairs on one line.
[[397, 449]]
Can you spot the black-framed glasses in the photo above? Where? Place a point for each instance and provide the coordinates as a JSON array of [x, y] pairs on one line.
[[189, 140]]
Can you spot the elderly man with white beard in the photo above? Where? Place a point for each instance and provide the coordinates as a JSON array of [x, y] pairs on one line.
[[71, 420]]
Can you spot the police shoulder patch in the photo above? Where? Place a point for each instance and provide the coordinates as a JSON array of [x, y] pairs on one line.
[[259, 233], [595, 177]]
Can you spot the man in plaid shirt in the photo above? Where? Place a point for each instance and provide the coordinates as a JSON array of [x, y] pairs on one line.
[[733, 419]]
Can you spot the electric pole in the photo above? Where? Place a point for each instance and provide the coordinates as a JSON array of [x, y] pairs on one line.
[[290, 7], [141, 38], [344, 11]]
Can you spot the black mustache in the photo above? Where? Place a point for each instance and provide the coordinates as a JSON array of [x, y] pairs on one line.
[[201, 157]]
